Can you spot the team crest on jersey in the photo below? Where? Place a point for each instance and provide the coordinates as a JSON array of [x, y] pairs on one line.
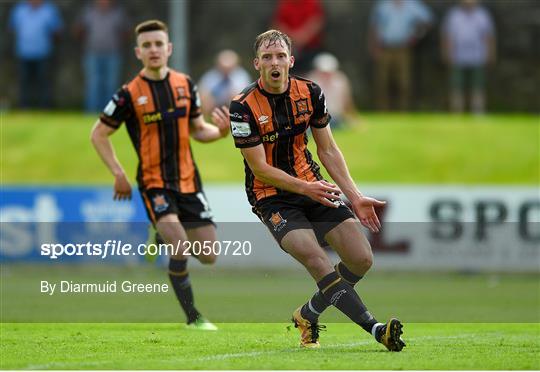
[[160, 203], [302, 107], [277, 221]]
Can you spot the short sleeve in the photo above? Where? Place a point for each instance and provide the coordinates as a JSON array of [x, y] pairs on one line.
[[244, 129], [320, 117], [195, 110], [118, 110]]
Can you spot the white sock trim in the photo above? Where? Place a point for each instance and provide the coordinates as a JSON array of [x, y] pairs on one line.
[[374, 329]]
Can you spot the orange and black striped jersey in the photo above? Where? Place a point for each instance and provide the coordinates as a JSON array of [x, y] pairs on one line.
[[279, 122], [157, 115]]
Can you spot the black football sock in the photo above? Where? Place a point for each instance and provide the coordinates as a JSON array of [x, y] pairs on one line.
[[317, 304], [340, 294], [347, 274], [314, 307], [179, 277]]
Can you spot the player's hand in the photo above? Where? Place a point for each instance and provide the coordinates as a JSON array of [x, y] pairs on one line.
[[323, 192], [122, 188], [364, 208], [220, 117]]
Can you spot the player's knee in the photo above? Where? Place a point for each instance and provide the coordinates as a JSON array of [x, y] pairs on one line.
[[361, 264], [367, 261]]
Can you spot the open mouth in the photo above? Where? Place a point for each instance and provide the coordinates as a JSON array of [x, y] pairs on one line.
[[275, 74]]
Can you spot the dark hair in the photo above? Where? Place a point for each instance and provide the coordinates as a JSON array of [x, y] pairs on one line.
[[272, 37], [150, 25]]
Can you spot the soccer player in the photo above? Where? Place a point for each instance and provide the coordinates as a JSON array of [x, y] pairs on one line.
[[269, 120], [162, 109]]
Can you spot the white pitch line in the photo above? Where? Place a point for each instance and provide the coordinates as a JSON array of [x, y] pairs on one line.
[[66, 365], [323, 347]]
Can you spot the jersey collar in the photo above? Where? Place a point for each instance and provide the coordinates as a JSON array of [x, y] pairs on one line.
[[268, 94]]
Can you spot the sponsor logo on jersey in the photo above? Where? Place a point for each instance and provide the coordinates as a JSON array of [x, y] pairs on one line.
[[109, 109], [270, 137], [240, 129], [169, 114], [152, 117]]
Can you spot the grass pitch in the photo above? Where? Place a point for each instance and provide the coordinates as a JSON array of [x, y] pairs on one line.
[[452, 321], [265, 346], [54, 148]]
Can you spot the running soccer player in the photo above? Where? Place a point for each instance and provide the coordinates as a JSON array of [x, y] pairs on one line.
[[269, 121], [161, 109]]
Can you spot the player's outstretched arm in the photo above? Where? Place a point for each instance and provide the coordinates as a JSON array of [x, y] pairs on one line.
[[320, 191], [332, 159], [202, 131], [100, 139]]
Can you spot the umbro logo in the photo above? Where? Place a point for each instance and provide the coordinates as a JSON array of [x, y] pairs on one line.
[[142, 100], [336, 296], [263, 119]]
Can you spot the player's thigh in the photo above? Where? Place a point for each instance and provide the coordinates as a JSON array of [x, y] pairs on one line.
[[350, 243], [302, 244], [202, 233], [205, 236], [172, 232]]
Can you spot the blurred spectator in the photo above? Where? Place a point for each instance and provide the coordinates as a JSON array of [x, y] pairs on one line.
[[395, 27], [103, 28], [336, 88], [468, 44], [220, 84], [303, 21], [35, 24]]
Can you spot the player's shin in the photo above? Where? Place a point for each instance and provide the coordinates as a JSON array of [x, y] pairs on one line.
[[312, 309], [340, 294], [179, 277]]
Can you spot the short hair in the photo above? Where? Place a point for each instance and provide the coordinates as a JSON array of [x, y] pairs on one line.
[[272, 37], [151, 25]]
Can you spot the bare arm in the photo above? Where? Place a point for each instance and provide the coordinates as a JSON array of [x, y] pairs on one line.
[[100, 139], [332, 159], [320, 191], [202, 131]]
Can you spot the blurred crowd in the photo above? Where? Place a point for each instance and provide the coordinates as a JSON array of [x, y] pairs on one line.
[[104, 29]]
